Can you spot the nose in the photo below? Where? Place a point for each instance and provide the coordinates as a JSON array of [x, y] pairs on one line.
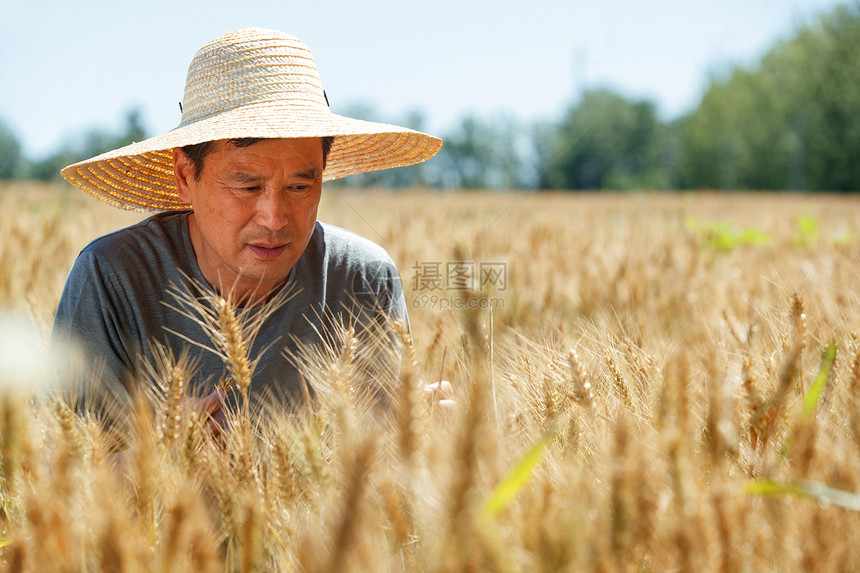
[[273, 210]]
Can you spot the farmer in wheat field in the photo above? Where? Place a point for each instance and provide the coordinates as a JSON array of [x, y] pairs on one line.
[[235, 190]]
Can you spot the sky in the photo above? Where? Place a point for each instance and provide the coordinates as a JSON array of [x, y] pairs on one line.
[[67, 67]]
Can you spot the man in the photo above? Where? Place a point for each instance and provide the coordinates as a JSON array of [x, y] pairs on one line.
[[236, 187]]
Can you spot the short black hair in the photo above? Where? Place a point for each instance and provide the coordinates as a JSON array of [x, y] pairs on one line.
[[197, 152]]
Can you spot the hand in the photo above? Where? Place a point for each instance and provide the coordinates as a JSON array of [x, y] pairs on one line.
[[211, 411], [441, 394]]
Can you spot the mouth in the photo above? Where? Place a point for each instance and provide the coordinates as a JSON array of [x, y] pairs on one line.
[[266, 252]]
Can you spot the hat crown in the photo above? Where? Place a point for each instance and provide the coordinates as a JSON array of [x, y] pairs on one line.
[[248, 67], [254, 83]]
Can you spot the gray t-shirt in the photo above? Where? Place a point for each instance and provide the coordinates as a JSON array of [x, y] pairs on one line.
[[117, 304]]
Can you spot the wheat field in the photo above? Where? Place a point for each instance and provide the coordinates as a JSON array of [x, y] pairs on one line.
[[644, 382]]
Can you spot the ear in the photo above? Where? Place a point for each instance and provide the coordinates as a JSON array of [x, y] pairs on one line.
[[183, 175]]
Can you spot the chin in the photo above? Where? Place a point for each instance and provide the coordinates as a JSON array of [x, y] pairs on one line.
[[268, 275]]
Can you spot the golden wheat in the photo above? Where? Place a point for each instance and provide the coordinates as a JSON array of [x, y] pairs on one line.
[[649, 392]]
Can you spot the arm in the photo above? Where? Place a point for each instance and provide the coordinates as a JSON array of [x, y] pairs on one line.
[[89, 355]]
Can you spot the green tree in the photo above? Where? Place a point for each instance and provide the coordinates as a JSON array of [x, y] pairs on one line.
[[606, 142], [737, 138], [823, 65], [93, 142], [11, 158], [481, 154], [791, 122]]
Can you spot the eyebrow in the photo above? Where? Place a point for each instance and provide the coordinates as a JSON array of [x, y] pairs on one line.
[[245, 177], [311, 174]]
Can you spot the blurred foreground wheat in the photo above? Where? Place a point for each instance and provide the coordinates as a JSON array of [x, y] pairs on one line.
[[670, 382]]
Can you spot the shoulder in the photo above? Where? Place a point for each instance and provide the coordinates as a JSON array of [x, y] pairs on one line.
[[341, 244], [153, 233], [338, 261], [339, 252], [152, 251]]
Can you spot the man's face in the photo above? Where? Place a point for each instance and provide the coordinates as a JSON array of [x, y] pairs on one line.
[[254, 210]]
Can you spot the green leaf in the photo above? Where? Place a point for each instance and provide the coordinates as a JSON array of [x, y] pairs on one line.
[[810, 401], [754, 237], [723, 236], [821, 492], [516, 480], [807, 231]]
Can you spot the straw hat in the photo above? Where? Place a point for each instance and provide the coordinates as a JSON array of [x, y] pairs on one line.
[[248, 83]]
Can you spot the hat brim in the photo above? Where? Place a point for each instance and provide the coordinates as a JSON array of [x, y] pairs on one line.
[[139, 176]]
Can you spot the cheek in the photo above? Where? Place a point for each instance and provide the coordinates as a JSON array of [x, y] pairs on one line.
[[304, 210], [313, 206], [307, 217], [312, 212], [224, 221]]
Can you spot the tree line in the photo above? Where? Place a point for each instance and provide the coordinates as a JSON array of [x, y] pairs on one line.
[[14, 165], [789, 122]]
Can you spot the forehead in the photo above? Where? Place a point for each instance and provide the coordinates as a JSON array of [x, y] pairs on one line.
[[305, 148], [265, 158]]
